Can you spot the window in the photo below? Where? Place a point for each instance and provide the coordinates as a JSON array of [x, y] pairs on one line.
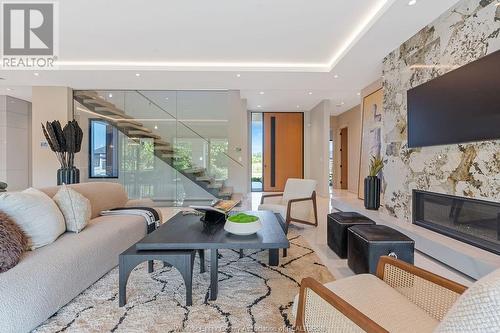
[[103, 159], [257, 148]]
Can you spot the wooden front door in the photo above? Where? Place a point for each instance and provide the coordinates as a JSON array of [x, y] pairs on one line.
[[343, 158], [283, 149]]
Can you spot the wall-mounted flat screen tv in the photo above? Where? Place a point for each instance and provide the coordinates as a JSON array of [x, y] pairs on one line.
[[460, 106]]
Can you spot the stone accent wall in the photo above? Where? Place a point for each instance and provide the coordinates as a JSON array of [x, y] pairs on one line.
[[467, 32]]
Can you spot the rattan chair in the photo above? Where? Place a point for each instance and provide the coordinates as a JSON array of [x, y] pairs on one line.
[[322, 310]]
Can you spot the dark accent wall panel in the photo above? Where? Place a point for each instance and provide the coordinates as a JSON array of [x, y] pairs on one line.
[[273, 151]]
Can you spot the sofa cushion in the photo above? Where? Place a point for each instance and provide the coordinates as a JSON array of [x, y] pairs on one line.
[[49, 277], [75, 208], [13, 243], [36, 214], [102, 195], [477, 310], [382, 304]]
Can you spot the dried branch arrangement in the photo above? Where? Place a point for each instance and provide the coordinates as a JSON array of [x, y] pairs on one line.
[[64, 142]]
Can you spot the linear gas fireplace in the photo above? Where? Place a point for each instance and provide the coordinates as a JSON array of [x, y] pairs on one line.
[[473, 221]]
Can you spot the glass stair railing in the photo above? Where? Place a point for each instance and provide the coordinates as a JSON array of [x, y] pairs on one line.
[[171, 147]]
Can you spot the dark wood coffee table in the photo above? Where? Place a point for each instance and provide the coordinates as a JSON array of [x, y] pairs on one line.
[[188, 233]]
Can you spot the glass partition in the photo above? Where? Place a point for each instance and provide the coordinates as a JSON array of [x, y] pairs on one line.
[[168, 146]]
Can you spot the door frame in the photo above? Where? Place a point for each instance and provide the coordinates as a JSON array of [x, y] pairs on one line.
[[263, 140]]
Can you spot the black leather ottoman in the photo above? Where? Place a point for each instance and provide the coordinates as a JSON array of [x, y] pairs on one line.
[[337, 225], [367, 243]]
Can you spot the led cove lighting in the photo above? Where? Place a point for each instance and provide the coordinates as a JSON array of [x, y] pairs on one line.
[[412, 2], [364, 25]]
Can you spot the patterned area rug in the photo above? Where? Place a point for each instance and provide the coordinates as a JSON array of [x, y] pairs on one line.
[[253, 297]]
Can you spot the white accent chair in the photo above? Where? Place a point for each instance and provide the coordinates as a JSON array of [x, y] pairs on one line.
[[296, 203]]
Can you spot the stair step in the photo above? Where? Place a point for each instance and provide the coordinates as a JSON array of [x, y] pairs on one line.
[[194, 170], [107, 109], [127, 121], [215, 185], [142, 134], [160, 142], [134, 126], [89, 94], [162, 147], [226, 191], [102, 102], [204, 179]]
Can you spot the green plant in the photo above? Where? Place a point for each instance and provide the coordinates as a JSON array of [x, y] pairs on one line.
[[376, 165], [242, 218]]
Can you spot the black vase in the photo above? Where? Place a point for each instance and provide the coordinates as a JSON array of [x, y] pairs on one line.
[[372, 192], [68, 176]]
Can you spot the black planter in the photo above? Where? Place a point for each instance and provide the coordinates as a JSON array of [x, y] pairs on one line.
[[372, 192], [68, 176]]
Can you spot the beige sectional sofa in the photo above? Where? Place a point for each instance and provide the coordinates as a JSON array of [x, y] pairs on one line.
[[49, 277]]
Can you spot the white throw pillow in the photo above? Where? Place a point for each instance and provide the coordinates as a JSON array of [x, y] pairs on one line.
[[75, 208], [36, 213], [477, 310]]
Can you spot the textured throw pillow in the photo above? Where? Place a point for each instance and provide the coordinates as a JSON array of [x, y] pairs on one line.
[[36, 214], [75, 207], [477, 310], [13, 243]]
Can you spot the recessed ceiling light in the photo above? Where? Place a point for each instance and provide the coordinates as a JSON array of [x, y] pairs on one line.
[[359, 94], [166, 98], [262, 93], [412, 2], [156, 127], [336, 76], [259, 106], [342, 103], [238, 75], [8, 89], [36, 74], [310, 93], [137, 74], [298, 106], [110, 95]]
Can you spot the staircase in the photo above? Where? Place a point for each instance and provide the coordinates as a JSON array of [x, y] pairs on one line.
[[163, 149]]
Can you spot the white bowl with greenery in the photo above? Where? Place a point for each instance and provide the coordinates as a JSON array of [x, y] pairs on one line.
[[243, 224]]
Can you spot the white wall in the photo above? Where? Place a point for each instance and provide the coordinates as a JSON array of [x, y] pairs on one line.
[[15, 143], [48, 104], [316, 145], [237, 133]]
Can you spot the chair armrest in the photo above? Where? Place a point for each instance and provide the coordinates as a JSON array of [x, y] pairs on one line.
[[433, 293], [269, 196], [329, 312]]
